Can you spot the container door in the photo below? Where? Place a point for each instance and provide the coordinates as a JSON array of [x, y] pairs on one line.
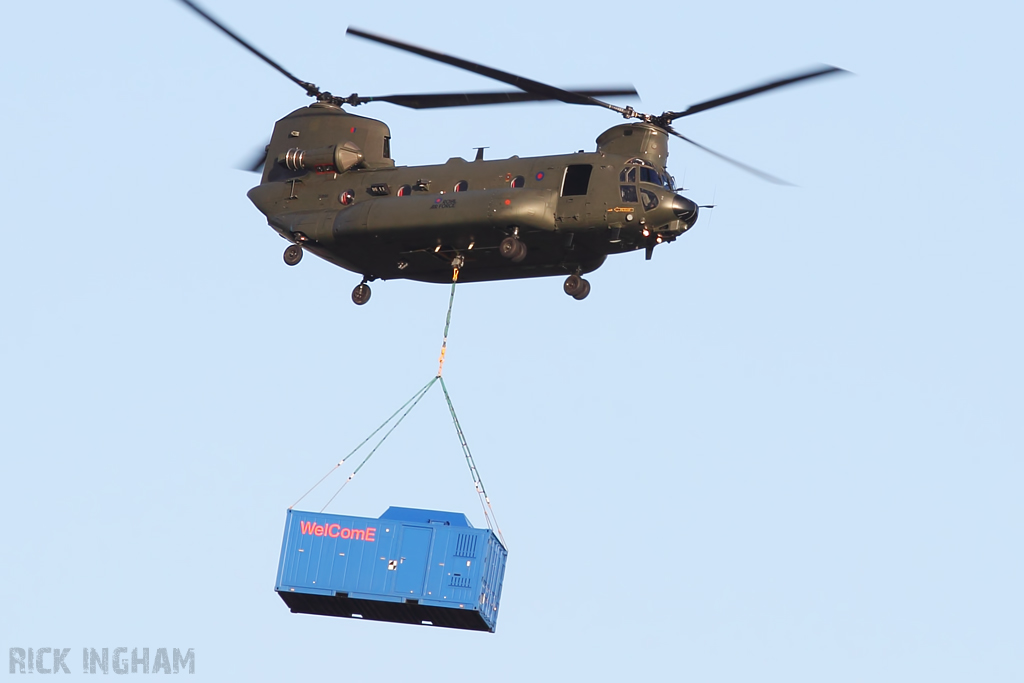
[[412, 561]]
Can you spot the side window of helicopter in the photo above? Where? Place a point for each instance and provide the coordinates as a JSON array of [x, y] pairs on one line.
[[404, 191], [387, 148], [628, 175], [518, 181], [628, 193], [577, 180], [649, 198], [462, 186]]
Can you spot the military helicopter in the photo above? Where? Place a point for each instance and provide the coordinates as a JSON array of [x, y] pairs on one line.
[[330, 187]]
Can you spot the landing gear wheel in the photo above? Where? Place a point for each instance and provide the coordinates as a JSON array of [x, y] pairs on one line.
[[573, 285], [521, 254], [293, 254], [508, 247], [361, 294], [513, 249], [584, 291]]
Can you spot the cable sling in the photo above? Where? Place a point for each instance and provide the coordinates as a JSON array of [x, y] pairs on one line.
[[478, 482], [448, 318], [422, 393], [405, 409], [415, 397]]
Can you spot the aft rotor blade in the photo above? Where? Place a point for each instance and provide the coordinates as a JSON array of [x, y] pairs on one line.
[[256, 162], [756, 90], [749, 169], [525, 84], [433, 101], [310, 89]]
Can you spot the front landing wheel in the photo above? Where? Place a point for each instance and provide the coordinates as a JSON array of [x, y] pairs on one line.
[[361, 294], [573, 284], [293, 254], [576, 287]]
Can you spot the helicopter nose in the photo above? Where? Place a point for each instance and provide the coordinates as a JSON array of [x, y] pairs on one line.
[[684, 209]]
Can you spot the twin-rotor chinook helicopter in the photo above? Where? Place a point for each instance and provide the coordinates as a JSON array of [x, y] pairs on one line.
[[330, 187]]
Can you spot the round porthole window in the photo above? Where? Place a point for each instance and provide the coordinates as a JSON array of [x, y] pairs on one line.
[[518, 181], [347, 197], [462, 186]]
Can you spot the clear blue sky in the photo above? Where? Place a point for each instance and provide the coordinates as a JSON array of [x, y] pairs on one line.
[[789, 448]]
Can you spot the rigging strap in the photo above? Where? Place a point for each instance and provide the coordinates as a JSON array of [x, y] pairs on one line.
[[448, 318], [478, 482], [414, 400]]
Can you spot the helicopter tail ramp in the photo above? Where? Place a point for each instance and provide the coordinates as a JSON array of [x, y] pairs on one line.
[[409, 566]]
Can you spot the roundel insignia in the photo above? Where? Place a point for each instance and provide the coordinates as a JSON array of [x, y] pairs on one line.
[[540, 175]]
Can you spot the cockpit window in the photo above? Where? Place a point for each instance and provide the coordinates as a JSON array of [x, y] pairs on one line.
[[649, 175], [650, 199], [628, 193]]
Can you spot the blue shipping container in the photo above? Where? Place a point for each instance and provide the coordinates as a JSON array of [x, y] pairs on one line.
[[409, 566]]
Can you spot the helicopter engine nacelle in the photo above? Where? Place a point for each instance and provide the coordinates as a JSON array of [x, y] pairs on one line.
[[338, 158]]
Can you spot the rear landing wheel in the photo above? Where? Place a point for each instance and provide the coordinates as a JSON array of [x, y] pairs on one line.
[[584, 291], [361, 294], [521, 254], [293, 254], [513, 249]]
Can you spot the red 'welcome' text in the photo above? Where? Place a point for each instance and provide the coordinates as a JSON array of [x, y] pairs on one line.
[[338, 531]]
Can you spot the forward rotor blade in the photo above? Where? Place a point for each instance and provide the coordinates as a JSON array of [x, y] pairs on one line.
[[825, 70], [525, 84], [310, 89], [749, 169], [433, 101]]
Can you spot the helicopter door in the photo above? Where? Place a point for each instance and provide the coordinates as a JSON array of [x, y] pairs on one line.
[[576, 180], [573, 206]]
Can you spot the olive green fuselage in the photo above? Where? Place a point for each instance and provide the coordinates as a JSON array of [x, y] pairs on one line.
[[350, 205]]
